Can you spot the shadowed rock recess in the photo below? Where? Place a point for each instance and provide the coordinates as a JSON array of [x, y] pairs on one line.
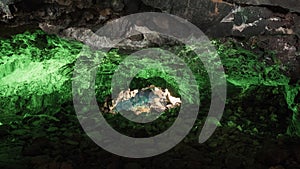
[[258, 42]]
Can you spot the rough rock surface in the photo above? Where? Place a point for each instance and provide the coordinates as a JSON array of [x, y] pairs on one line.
[[237, 17], [291, 5], [274, 24], [146, 100], [268, 24], [215, 17], [260, 24]]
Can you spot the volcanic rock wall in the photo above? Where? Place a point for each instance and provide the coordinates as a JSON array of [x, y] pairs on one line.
[[267, 25]]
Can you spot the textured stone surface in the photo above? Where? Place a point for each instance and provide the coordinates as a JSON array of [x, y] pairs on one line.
[[269, 24], [146, 100], [290, 5], [203, 13], [274, 24], [236, 18]]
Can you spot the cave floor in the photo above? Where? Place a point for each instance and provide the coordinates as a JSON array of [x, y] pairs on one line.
[[33, 144]]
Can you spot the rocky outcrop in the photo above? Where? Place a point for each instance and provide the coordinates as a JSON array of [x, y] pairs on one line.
[[19, 15], [145, 100], [238, 17], [291, 5], [269, 25], [217, 18], [262, 24]]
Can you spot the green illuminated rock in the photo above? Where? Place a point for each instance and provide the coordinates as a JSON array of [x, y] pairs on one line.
[[36, 74], [29, 71]]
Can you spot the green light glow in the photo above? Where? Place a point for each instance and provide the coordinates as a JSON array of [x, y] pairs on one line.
[[35, 73], [246, 69], [30, 65]]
